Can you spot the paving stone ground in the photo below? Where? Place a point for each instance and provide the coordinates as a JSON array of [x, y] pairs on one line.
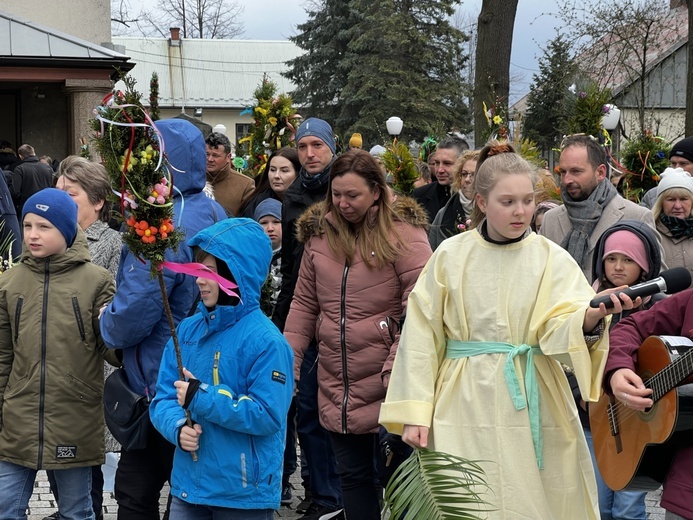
[[43, 504]]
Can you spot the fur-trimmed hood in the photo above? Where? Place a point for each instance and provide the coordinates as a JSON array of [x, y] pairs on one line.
[[407, 209]]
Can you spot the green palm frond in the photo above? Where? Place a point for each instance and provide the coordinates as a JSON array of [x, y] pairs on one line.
[[436, 486]]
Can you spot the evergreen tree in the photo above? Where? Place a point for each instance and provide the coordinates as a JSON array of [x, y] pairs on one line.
[[318, 74], [547, 110], [367, 61], [154, 97]]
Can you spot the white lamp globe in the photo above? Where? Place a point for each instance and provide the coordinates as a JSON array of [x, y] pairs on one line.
[[394, 125]]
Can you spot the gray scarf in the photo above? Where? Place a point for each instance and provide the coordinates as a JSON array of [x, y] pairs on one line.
[[466, 204], [584, 216]]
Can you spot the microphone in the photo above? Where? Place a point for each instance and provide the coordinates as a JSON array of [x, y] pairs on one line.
[[670, 282]]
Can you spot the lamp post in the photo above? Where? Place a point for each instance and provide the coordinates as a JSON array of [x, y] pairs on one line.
[[610, 120], [220, 128]]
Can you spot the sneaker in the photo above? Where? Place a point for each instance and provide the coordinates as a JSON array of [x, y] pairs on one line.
[[318, 512], [54, 516], [334, 515], [286, 495]]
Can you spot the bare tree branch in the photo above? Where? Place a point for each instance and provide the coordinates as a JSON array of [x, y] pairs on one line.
[[196, 18]]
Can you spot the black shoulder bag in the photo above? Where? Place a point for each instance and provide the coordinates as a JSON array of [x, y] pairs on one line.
[[126, 412]]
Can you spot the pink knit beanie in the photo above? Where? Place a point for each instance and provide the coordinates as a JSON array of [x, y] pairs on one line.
[[629, 244]]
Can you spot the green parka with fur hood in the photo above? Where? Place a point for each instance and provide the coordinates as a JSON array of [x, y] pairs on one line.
[[354, 312], [51, 360]]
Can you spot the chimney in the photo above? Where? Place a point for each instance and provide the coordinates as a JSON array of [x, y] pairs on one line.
[[175, 36]]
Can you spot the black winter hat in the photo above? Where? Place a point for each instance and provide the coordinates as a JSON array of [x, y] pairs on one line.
[[684, 148]]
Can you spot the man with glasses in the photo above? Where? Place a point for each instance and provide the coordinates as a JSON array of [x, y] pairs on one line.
[[681, 156], [435, 195], [591, 203], [452, 218], [230, 187]]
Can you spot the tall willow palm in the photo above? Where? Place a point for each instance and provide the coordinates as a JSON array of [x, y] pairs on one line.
[[436, 486]]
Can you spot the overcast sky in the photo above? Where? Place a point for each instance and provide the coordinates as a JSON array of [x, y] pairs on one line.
[[277, 20]]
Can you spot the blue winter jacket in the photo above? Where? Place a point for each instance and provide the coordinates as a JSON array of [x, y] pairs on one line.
[[245, 367], [135, 320]]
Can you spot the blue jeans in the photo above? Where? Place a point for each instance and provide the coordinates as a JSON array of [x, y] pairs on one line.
[[314, 439], [181, 510], [17, 485], [96, 489], [616, 505]]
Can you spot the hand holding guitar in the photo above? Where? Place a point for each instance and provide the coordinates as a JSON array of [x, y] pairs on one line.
[[628, 388]]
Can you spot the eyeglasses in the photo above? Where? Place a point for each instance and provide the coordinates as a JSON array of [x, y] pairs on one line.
[[465, 174]]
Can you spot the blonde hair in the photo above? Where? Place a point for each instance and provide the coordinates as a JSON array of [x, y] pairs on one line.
[[469, 155], [496, 159], [377, 239], [671, 192]]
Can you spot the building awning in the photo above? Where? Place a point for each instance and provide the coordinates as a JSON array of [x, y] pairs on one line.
[[26, 44]]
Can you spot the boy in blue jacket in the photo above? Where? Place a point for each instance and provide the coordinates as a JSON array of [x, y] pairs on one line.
[[238, 388]]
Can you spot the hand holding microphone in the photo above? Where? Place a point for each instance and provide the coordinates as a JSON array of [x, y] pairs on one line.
[[670, 282]]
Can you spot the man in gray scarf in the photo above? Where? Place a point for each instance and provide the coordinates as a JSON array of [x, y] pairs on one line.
[[591, 204]]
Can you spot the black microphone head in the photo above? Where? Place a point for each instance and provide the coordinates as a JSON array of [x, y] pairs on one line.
[[677, 279]]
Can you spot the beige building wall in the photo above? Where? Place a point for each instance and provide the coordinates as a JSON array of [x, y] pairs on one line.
[[212, 116], [86, 19], [665, 123]]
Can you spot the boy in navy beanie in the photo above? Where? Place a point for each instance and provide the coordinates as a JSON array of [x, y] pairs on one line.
[[51, 360], [57, 207]]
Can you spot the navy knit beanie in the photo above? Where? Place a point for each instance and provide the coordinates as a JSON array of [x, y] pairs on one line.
[[58, 208], [317, 128], [684, 148]]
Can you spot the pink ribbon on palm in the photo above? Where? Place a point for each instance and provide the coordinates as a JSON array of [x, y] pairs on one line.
[[202, 271]]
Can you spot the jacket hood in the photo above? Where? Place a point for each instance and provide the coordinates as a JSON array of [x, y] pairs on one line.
[[407, 209], [245, 248], [185, 150], [648, 237]]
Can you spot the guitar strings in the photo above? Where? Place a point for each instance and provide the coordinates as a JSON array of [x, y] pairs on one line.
[[616, 415]]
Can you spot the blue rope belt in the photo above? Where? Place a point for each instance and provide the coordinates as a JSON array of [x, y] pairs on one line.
[[462, 349]]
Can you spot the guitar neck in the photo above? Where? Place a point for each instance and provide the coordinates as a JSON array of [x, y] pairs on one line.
[[670, 377]]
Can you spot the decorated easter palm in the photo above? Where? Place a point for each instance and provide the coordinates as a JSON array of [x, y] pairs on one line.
[[132, 150]]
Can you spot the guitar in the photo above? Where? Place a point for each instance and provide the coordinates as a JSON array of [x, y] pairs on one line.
[[634, 449]]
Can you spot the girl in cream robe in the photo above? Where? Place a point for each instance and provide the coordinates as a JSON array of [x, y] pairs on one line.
[[488, 327]]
